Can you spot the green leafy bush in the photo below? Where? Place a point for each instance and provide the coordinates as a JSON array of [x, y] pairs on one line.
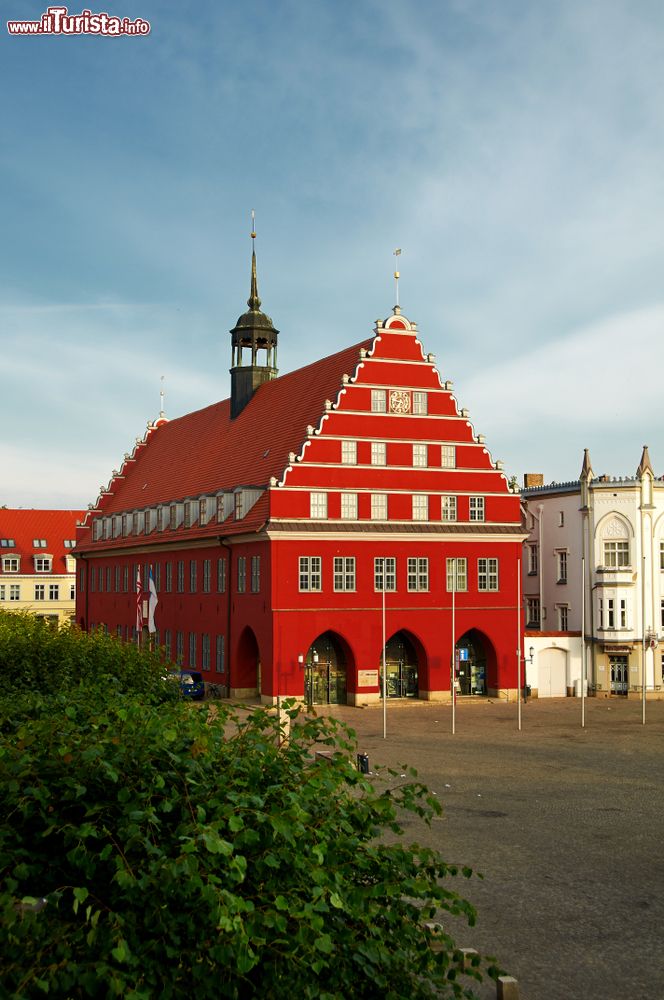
[[184, 853]]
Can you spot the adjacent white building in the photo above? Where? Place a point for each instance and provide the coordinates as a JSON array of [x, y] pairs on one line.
[[593, 583]]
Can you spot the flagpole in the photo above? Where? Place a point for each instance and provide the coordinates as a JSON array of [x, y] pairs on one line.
[[453, 672], [518, 635], [583, 642], [384, 666]]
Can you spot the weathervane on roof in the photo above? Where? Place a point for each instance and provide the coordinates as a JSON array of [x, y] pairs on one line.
[[397, 254], [161, 399]]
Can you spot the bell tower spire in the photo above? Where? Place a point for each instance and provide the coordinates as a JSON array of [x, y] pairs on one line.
[[252, 335]]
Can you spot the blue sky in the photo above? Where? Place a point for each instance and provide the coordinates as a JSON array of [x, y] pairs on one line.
[[514, 150]]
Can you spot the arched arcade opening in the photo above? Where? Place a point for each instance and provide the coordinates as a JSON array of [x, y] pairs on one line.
[[405, 661], [247, 672], [327, 665], [477, 672]]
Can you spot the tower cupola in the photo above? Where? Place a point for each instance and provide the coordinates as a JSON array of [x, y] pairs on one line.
[[253, 346]]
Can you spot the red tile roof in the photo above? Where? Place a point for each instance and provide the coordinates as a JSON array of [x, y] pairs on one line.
[[206, 451], [24, 526]]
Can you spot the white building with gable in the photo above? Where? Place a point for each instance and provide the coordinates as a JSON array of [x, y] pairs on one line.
[[593, 583]]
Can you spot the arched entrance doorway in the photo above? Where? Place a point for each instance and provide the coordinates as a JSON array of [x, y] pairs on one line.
[[326, 664], [401, 667], [476, 664], [246, 681]]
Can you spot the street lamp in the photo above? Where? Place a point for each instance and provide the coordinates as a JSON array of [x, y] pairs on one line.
[[527, 659]]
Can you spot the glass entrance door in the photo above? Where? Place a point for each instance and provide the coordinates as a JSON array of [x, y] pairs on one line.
[[619, 674], [400, 669], [325, 675]]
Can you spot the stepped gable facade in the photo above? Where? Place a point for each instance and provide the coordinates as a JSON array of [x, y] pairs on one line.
[[278, 522]]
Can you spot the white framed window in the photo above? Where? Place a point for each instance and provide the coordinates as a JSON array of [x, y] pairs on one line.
[[310, 573], [72, 592], [40, 591], [173, 517], [533, 559], [561, 561], [221, 576], [420, 507], [70, 543], [344, 573], [458, 566], [379, 506], [255, 574], [623, 612], [420, 455], [318, 505], [11, 564], [561, 518], [15, 592], [241, 574], [7, 543], [476, 508], [43, 564], [3, 591], [220, 655], [385, 574], [563, 617], [349, 452], [661, 555], [448, 456], [378, 453], [533, 612], [54, 591], [349, 506], [39, 543], [420, 403], [160, 518], [203, 518], [610, 612], [188, 514], [487, 574], [448, 508], [379, 401], [418, 573], [239, 505], [616, 554]]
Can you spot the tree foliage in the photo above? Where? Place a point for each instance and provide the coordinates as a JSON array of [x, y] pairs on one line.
[[183, 852]]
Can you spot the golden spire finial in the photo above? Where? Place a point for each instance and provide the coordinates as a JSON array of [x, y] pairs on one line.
[[397, 254], [253, 301]]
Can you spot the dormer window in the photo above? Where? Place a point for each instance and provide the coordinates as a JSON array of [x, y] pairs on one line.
[[148, 522], [173, 517], [43, 564], [239, 506], [203, 511], [134, 523], [188, 514], [125, 525], [96, 530], [220, 508], [7, 543], [11, 564], [160, 518], [39, 543]]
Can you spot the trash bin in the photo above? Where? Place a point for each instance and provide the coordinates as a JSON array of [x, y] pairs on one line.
[[363, 763]]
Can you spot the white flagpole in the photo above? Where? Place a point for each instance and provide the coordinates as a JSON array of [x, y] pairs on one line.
[[518, 648], [384, 665], [453, 671], [583, 642]]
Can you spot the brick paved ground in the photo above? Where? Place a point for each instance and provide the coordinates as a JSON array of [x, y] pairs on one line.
[[565, 823]]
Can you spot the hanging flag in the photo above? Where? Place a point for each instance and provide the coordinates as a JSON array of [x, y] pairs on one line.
[[153, 602], [139, 603]]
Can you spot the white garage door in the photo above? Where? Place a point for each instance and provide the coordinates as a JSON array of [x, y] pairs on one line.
[[552, 680]]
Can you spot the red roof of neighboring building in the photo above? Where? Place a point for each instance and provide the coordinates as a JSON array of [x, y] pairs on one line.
[[205, 451], [25, 527]]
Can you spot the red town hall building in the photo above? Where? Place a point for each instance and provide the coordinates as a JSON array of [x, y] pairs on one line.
[[277, 522]]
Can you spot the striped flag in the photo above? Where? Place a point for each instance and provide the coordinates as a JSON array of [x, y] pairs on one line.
[[139, 602], [153, 601]]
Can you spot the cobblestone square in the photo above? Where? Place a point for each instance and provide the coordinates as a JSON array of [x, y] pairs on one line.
[[565, 823]]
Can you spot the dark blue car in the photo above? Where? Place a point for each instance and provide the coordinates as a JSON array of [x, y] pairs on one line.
[[191, 683]]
